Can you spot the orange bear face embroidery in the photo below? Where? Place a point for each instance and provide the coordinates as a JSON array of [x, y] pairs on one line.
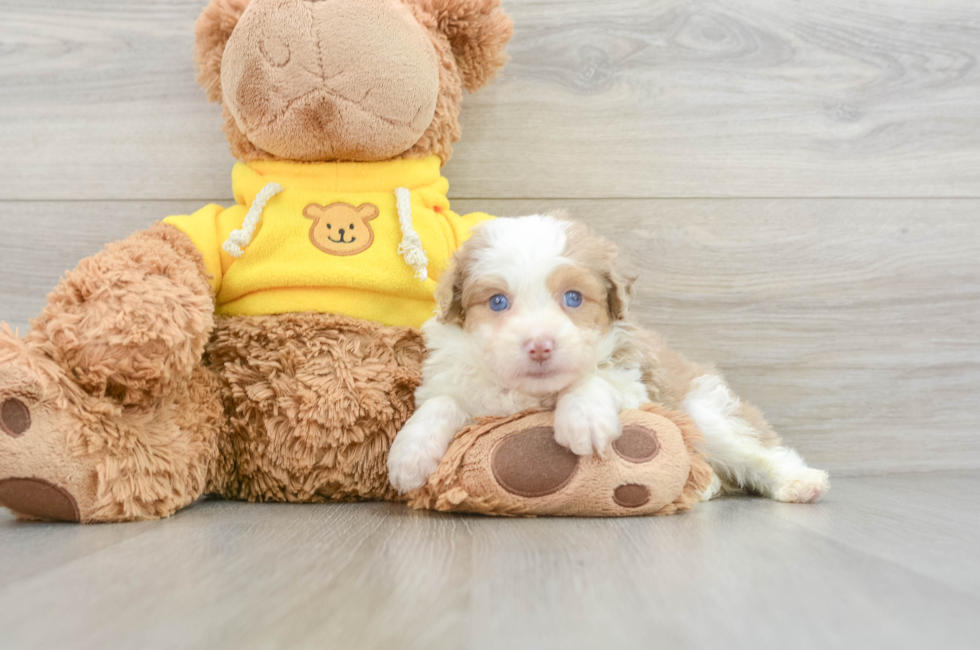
[[340, 228]]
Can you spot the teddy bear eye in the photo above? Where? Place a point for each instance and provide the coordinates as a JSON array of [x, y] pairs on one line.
[[329, 227], [352, 226]]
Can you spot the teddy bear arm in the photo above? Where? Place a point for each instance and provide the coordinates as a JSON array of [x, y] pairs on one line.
[[462, 225], [131, 320], [514, 466]]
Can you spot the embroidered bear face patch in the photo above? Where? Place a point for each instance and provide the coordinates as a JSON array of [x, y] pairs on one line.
[[341, 228]]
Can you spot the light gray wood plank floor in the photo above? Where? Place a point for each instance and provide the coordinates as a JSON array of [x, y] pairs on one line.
[[884, 562]]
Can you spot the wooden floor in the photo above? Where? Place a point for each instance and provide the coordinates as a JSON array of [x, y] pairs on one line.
[[882, 563]]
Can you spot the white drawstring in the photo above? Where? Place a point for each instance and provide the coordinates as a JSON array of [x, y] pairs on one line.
[[243, 237], [411, 246]]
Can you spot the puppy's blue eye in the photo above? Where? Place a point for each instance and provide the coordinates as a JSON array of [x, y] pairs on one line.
[[499, 302], [573, 299]]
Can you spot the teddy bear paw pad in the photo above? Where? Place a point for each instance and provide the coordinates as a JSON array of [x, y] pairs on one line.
[[637, 444], [532, 464], [42, 476], [631, 495], [15, 417], [35, 498]]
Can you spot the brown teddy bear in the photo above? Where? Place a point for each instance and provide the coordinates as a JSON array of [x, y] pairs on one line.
[[239, 351], [269, 351]]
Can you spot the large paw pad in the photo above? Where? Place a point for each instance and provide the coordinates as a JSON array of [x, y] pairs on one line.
[[532, 464], [37, 499]]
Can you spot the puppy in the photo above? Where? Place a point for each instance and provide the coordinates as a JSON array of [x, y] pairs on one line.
[[533, 314]]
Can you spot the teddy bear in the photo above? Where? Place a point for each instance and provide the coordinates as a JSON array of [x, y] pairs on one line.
[[269, 351], [249, 352]]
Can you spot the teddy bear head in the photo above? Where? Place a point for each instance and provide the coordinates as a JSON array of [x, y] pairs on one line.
[[346, 80]]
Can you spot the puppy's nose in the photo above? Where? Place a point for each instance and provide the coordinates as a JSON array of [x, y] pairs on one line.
[[539, 348]]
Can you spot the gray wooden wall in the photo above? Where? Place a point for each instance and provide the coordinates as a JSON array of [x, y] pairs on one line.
[[796, 183]]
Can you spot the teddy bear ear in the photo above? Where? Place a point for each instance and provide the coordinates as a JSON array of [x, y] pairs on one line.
[[211, 34], [367, 211], [478, 31]]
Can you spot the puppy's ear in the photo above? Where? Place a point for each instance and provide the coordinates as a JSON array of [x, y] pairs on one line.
[[620, 293], [478, 31], [599, 255], [561, 214], [619, 287], [211, 34], [449, 293]]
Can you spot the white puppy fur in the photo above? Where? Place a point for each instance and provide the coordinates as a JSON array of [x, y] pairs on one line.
[[533, 314]]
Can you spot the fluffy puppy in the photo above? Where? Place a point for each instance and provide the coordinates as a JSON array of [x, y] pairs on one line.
[[533, 313]]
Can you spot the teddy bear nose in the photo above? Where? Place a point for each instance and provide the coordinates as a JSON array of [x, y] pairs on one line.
[[342, 231]]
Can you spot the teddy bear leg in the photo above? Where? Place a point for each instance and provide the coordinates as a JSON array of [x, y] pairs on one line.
[[132, 320], [514, 466], [314, 402], [105, 413], [66, 455]]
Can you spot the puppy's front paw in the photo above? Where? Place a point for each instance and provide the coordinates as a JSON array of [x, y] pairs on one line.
[[587, 425], [412, 460], [806, 486]]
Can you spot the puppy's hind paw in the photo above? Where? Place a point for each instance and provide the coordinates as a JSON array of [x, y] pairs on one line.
[[806, 486], [713, 489]]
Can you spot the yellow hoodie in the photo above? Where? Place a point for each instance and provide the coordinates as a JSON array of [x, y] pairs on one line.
[[367, 240]]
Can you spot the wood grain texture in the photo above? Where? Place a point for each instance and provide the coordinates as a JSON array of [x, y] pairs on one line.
[[734, 573], [853, 324], [620, 98]]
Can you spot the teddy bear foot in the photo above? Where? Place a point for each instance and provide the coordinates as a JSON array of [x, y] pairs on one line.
[[513, 466], [68, 455], [39, 477]]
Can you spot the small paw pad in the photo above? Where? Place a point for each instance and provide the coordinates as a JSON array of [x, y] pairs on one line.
[[631, 495], [15, 417], [637, 444]]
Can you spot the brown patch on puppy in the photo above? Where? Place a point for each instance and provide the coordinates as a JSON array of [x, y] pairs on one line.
[[340, 228], [476, 302], [598, 255], [453, 281], [594, 312]]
